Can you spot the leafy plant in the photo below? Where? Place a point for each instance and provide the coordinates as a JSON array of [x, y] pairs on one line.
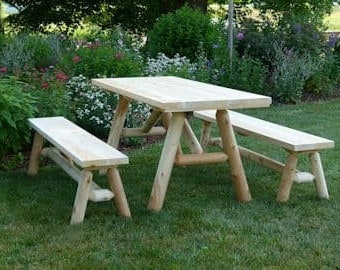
[[291, 70], [95, 59], [16, 105], [93, 108], [183, 32]]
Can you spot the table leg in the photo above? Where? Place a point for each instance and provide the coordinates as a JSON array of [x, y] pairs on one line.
[[166, 161], [117, 124], [191, 139], [230, 148], [118, 121]]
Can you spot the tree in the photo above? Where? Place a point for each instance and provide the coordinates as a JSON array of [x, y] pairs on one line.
[[140, 15]]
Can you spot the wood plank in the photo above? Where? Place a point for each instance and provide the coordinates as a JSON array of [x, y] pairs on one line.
[[173, 94], [285, 137], [82, 147]]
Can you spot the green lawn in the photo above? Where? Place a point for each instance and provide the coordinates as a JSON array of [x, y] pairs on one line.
[[201, 226], [333, 20]]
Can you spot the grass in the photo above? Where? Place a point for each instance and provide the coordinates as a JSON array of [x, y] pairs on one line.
[[333, 20], [201, 226]]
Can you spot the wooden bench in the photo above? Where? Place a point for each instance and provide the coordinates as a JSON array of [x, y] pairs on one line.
[[78, 153], [293, 141]]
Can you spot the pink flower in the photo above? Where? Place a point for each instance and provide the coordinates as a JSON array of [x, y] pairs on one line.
[[45, 85], [61, 76], [119, 56], [3, 70], [76, 59]]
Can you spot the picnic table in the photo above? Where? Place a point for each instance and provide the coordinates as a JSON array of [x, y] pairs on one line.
[[173, 97]]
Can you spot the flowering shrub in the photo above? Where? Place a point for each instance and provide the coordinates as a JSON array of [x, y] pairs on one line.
[[93, 107], [97, 58], [163, 65]]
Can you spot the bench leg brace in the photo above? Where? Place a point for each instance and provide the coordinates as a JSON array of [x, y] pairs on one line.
[[317, 170], [287, 178], [82, 196], [118, 191]]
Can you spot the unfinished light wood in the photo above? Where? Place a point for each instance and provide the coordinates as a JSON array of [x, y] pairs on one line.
[[78, 152], [166, 162], [151, 121], [172, 95], [293, 141], [230, 148], [139, 132], [285, 137], [197, 159], [38, 142], [118, 121]]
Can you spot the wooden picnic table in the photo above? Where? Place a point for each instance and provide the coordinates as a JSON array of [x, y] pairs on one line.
[[173, 97]]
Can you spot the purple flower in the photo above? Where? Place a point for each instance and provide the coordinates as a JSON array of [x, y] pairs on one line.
[[240, 36]]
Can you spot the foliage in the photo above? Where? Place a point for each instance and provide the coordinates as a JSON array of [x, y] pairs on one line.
[[93, 107], [183, 32], [291, 70], [16, 105], [27, 50], [136, 15], [107, 58]]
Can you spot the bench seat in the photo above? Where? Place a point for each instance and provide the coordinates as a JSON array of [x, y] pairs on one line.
[[79, 153], [293, 141]]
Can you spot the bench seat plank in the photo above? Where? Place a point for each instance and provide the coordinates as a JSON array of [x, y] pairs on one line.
[[82, 147], [285, 137]]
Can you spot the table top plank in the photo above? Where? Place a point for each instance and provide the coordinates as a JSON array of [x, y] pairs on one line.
[[173, 94]]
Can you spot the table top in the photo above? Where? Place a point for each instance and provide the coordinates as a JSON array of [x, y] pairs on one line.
[[173, 94]]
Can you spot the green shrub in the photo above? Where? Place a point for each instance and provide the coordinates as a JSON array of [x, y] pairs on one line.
[[183, 32], [291, 70], [96, 59], [93, 107], [16, 55], [26, 51], [16, 106]]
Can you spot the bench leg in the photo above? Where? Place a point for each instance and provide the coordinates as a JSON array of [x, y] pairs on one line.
[[37, 146], [287, 178], [230, 148], [317, 170], [82, 196], [118, 191]]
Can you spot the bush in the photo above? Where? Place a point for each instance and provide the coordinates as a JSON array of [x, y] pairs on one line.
[[93, 107], [291, 70], [16, 106], [98, 59], [183, 32], [26, 51]]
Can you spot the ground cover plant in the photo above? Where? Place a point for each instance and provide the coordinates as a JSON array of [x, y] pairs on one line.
[[201, 225]]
